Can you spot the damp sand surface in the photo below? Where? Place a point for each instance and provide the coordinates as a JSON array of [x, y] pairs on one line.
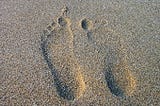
[[79, 52]]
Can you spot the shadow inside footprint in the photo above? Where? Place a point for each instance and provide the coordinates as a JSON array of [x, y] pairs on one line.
[[63, 90], [112, 85], [86, 24]]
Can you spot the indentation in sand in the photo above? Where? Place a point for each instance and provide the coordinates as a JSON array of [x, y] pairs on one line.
[[86, 24], [111, 47], [57, 49], [120, 80], [119, 77]]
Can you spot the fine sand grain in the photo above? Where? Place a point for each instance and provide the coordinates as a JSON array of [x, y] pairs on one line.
[[79, 52]]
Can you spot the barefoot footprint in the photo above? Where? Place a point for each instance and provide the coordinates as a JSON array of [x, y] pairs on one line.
[[57, 49], [118, 76]]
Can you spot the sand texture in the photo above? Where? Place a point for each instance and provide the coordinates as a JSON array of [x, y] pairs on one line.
[[80, 53]]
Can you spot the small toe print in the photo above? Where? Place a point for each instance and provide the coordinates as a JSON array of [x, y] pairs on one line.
[[49, 28], [62, 22], [53, 24]]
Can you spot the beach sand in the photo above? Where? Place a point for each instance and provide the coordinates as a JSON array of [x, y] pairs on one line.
[[79, 53]]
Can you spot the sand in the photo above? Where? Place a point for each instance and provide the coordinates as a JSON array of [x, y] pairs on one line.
[[98, 52]]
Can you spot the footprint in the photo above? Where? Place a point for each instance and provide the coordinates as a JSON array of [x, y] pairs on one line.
[[57, 49], [119, 77], [110, 45]]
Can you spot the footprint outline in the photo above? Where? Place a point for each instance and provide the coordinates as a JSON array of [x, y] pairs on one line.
[[63, 89]]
